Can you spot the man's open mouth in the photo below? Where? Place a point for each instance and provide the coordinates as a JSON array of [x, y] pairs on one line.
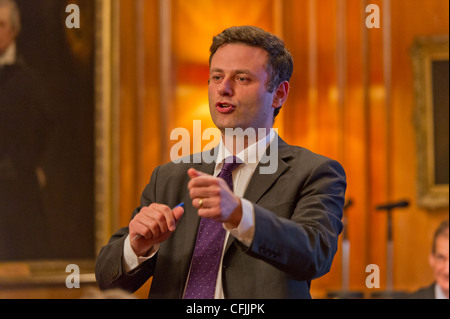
[[223, 107]]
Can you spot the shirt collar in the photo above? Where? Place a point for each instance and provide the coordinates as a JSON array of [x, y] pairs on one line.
[[9, 57], [252, 154], [438, 293]]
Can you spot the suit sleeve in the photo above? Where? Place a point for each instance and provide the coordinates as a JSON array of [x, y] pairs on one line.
[[304, 245], [109, 269]]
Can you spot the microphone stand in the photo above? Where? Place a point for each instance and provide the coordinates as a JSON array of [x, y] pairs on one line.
[[345, 293], [390, 292]]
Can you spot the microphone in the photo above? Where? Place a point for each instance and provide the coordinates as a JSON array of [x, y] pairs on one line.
[[389, 206]]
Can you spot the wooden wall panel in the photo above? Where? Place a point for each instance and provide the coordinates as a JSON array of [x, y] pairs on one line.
[[150, 119], [415, 226], [297, 106], [356, 155], [377, 146], [128, 156], [140, 116]]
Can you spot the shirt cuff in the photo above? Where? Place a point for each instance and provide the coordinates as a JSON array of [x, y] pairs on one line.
[[246, 228], [131, 260]]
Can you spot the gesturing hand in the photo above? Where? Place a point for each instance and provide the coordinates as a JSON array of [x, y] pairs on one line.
[[217, 200], [153, 225]]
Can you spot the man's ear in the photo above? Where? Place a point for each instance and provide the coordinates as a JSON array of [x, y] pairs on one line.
[[281, 94]]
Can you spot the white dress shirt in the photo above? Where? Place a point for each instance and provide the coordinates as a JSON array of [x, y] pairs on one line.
[[251, 157], [9, 56], [438, 292]]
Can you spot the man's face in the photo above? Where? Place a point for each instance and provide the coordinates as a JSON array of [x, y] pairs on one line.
[[439, 263], [7, 33], [238, 95]]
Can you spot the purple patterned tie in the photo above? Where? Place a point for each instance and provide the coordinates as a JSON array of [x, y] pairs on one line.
[[208, 248]]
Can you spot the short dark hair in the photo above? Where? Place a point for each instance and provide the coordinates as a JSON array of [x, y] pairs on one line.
[[442, 230], [280, 64]]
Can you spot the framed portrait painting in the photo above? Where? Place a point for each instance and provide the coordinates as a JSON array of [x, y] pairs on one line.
[[57, 138]]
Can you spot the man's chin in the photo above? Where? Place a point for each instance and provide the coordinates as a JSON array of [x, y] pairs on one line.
[[223, 124]]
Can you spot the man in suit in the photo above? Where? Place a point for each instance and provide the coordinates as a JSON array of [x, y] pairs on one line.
[[438, 260], [282, 211]]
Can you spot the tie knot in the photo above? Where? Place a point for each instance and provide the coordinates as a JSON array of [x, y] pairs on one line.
[[231, 163]]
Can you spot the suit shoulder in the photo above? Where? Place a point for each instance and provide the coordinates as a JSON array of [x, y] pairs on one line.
[[423, 293], [305, 155], [304, 160]]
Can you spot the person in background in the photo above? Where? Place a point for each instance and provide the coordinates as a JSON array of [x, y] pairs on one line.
[[438, 260], [23, 132]]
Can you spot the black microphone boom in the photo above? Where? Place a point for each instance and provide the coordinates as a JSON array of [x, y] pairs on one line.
[[389, 206]]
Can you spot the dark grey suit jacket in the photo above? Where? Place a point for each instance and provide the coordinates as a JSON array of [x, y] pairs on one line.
[[298, 212], [423, 293]]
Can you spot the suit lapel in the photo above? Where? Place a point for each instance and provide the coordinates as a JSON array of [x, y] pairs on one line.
[[261, 180]]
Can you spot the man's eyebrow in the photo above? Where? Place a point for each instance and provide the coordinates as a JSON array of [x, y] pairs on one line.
[[216, 70], [248, 72], [238, 71]]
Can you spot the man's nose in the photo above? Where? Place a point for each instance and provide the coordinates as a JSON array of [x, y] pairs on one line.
[[225, 88]]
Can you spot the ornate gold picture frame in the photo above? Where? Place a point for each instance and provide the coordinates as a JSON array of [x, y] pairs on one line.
[[430, 57]]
